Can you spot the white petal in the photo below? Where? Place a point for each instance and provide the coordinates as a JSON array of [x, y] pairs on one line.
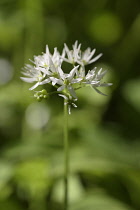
[[69, 54], [74, 105], [94, 82], [79, 47], [61, 73], [45, 81], [99, 76], [28, 66], [75, 44], [80, 62], [91, 54], [34, 86], [72, 92], [47, 50], [26, 73], [89, 76], [72, 72], [106, 84], [85, 54], [76, 51], [29, 80], [63, 54], [76, 80], [100, 71], [67, 60], [65, 97], [52, 67], [61, 88], [44, 70], [54, 80], [82, 71], [96, 58]]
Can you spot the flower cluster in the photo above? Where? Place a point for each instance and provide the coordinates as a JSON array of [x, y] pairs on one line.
[[47, 69]]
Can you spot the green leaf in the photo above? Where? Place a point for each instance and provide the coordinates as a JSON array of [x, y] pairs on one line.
[[98, 201], [32, 177]]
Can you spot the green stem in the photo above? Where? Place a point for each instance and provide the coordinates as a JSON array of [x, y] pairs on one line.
[[66, 155]]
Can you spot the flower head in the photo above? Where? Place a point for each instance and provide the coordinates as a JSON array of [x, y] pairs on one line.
[[86, 57], [72, 55], [47, 69]]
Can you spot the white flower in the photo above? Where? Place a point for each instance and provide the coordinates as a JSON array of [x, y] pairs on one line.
[[74, 54], [34, 75], [66, 81], [86, 57], [45, 66], [70, 101], [44, 62], [94, 77], [41, 61], [77, 56], [47, 69], [56, 58]]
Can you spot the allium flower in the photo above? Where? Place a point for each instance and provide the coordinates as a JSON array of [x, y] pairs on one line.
[[34, 74], [67, 80], [47, 69], [86, 57], [72, 55], [77, 56]]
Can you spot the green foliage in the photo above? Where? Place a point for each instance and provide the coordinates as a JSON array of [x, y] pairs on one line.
[[99, 201], [32, 177]]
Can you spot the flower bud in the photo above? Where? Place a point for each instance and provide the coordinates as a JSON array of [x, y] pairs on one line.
[[39, 99], [44, 92]]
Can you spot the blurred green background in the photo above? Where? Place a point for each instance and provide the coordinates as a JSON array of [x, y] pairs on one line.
[[104, 131]]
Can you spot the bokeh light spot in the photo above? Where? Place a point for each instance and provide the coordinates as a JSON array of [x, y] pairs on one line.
[[37, 115], [6, 71], [106, 28]]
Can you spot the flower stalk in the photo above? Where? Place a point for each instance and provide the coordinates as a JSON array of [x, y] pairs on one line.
[[66, 155]]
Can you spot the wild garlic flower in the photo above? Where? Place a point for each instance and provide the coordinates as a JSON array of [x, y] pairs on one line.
[[72, 55], [77, 56], [47, 69], [86, 57], [34, 74]]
